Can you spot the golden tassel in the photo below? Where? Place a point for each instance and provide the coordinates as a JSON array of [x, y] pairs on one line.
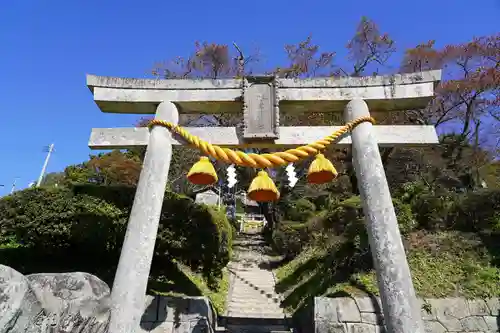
[[202, 172], [321, 170], [262, 188]]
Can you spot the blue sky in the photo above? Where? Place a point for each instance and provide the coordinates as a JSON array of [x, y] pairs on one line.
[[49, 46]]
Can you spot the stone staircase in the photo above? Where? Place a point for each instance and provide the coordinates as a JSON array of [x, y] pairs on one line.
[[252, 304]]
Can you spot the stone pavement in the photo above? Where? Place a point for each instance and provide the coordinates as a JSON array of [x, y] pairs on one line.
[[251, 298]]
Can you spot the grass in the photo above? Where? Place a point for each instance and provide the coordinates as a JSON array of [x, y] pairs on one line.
[[443, 264]]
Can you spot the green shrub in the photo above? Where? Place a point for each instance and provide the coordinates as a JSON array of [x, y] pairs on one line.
[[299, 210], [90, 222], [432, 211], [344, 219], [411, 190], [471, 211], [197, 235], [405, 216], [290, 237], [477, 211], [51, 219], [347, 217]]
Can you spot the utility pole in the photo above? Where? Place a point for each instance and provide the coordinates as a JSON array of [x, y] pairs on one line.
[[14, 185], [50, 150]]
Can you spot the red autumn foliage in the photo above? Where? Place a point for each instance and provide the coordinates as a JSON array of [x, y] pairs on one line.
[[468, 97]]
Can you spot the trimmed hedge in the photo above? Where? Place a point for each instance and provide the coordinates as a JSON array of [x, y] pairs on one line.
[[84, 227]]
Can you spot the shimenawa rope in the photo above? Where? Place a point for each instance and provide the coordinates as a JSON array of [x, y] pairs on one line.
[[260, 160]]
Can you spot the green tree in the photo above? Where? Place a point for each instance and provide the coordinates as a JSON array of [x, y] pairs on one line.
[[114, 168], [54, 179], [467, 98]]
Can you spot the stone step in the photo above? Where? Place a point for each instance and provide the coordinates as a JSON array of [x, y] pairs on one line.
[[259, 289], [252, 282], [256, 329], [255, 314], [257, 280], [251, 292], [246, 289], [255, 295], [255, 298], [242, 307], [250, 304], [252, 321], [253, 305], [255, 290], [253, 324], [247, 310], [242, 269], [251, 265], [247, 266], [265, 277]]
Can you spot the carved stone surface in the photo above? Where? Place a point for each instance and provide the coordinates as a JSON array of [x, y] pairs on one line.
[[80, 302], [439, 315], [39, 303], [260, 108]]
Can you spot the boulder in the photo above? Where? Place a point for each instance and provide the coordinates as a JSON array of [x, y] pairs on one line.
[[61, 302]]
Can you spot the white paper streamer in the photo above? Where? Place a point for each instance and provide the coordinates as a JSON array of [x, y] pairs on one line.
[[292, 176], [231, 176]]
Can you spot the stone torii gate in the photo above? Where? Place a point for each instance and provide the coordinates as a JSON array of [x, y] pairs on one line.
[[261, 99]]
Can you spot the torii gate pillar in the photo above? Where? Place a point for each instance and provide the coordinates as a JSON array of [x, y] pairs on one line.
[[131, 278], [399, 302], [261, 100]]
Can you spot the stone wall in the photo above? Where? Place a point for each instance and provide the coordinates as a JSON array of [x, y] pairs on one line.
[[364, 315], [178, 315]]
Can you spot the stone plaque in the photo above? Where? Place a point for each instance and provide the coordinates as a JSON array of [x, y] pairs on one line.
[[260, 108]]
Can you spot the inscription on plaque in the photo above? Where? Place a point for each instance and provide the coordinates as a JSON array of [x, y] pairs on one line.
[[261, 109]]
